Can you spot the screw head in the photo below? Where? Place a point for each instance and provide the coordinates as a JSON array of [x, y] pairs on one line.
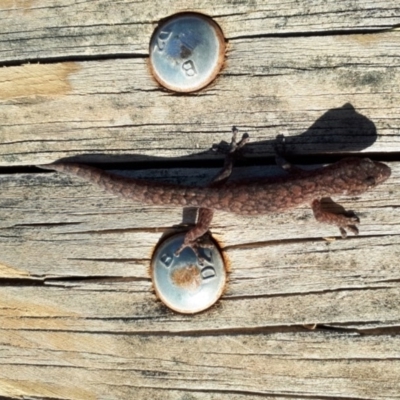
[[183, 283], [186, 52]]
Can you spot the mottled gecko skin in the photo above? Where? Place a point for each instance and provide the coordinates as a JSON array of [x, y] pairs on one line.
[[350, 176]]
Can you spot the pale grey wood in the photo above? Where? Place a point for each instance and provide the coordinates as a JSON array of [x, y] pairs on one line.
[[326, 94], [120, 306], [58, 226], [78, 316], [57, 29], [101, 365], [78, 229]]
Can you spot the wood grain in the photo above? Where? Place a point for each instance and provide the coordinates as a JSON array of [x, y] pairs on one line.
[[206, 366], [97, 235], [57, 29], [342, 98], [78, 315], [87, 365]]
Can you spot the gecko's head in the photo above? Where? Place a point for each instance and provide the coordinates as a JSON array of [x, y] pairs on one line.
[[361, 174], [366, 173], [375, 172]]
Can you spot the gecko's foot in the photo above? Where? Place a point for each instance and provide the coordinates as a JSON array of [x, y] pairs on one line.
[[347, 221], [203, 242], [283, 163], [280, 152], [235, 146], [280, 145], [232, 154]]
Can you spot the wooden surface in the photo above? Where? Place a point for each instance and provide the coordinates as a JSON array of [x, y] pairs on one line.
[[78, 315]]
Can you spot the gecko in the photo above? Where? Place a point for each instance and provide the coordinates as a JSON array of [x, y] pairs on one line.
[[350, 176]]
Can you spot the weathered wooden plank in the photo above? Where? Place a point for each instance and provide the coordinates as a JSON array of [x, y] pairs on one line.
[[54, 225], [341, 100], [78, 316], [277, 272], [89, 366], [34, 30], [57, 226], [131, 306]]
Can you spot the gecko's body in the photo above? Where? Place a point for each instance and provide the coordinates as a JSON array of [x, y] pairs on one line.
[[350, 176]]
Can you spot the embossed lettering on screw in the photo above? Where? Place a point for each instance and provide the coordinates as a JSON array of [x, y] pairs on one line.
[[183, 283], [186, 52]]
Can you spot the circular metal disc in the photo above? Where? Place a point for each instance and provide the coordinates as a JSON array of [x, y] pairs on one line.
[[183, 283], [186, 52]]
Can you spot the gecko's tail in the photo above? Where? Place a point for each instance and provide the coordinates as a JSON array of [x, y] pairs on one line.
[[130, 188], [46, 166], [69, 168], [84, 171]]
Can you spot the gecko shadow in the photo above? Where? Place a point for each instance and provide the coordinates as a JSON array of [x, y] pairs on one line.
[[336, 133], [339, 130]]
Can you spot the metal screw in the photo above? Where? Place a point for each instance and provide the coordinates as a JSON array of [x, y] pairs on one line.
[[183, 283], [186, 52]]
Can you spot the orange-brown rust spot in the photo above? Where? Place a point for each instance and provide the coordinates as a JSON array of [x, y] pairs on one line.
[[220, 246], [36, 80], [188, 277]]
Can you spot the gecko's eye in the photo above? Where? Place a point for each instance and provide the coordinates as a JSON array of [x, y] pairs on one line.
[[370, 181]]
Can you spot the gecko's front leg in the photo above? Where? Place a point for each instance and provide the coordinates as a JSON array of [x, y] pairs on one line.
[[194, 237], [344, 222]]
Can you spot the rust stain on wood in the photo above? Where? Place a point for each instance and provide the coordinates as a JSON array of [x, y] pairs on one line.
[[36, 80]]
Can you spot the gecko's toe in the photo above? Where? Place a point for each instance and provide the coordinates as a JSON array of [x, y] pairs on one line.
[[203, 242], [352, 228], [343, 232], [352, 218]]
